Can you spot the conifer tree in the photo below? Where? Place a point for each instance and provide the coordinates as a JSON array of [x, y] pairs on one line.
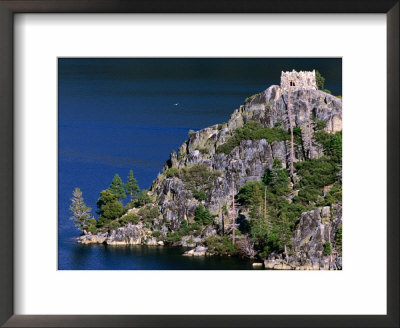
[[131, 186], [109, 207], [81, 212], [117, 187]]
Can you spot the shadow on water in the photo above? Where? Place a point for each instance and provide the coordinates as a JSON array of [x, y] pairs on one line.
[[140, 257]]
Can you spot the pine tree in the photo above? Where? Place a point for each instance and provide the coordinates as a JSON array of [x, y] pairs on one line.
[[109, 207], [131, 186], [117, 187], [81, 212]]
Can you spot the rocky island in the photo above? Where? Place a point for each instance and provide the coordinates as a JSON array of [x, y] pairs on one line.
[[266, 185]]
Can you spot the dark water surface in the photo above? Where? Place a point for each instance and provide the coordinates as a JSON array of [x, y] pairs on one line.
[[120, 114]]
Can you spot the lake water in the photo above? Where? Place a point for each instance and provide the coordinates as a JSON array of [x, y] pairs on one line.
[[121, 114]]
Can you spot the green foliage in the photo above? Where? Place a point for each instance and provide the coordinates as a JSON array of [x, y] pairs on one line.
[[202, 150], [114, 225], [318, 172], [248, 99], [200, 195], [220, 126], [203, 215], [332, 144], [277, 179], [171, 172], [131, 186], [129, 218], [117, 187], [109, 207], [81, 213], [198, 177], [148, 213], [156, 234], [334, 196], [309, 194], [252, 131], [327, 91], [246, 192], [172, 237], [320, 125], [143, 198], [92, 228], [220, 245], [277, 124], [320, 80], [327, 248], [280, 236]]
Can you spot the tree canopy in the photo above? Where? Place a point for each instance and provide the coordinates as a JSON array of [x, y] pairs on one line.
[[131, 186], [117, 187], [81, 212]]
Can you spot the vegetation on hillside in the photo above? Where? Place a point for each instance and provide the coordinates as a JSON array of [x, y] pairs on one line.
[[252, 130], [272, 206]]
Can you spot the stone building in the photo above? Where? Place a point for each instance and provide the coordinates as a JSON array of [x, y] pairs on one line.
[[298, 81]]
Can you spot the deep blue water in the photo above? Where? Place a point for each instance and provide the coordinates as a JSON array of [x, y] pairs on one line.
[[119, 114]]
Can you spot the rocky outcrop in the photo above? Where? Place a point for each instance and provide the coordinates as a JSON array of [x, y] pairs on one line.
[[128, 235], [316, 227], [251, 158], [248, 161], [198, 251]]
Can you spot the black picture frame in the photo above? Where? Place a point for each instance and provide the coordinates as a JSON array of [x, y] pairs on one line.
[[10, 7]]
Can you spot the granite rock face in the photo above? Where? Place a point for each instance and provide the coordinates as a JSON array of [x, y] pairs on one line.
[[314, 229], [250, 159], [128, 235]]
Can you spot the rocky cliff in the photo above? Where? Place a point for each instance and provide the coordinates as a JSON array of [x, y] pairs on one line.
[[200, 173]]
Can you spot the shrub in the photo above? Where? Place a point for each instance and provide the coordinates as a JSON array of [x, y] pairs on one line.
[[248, 99], [245, 193], [320, 125], [171, 172], [331, 143], [220, 245], [203, 215], [297, 131], [309, 194], [333, 196], [172, 237], [277, 124], [318, 172], [148, 213], [143, 198], [114, 225], [200, 195], [252, 131], [129, 218], [198, 177], [327, 248], [202, 150], [156, 233], [92, 229]]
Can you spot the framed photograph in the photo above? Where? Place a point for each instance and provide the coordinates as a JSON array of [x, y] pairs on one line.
[[212, 164]]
